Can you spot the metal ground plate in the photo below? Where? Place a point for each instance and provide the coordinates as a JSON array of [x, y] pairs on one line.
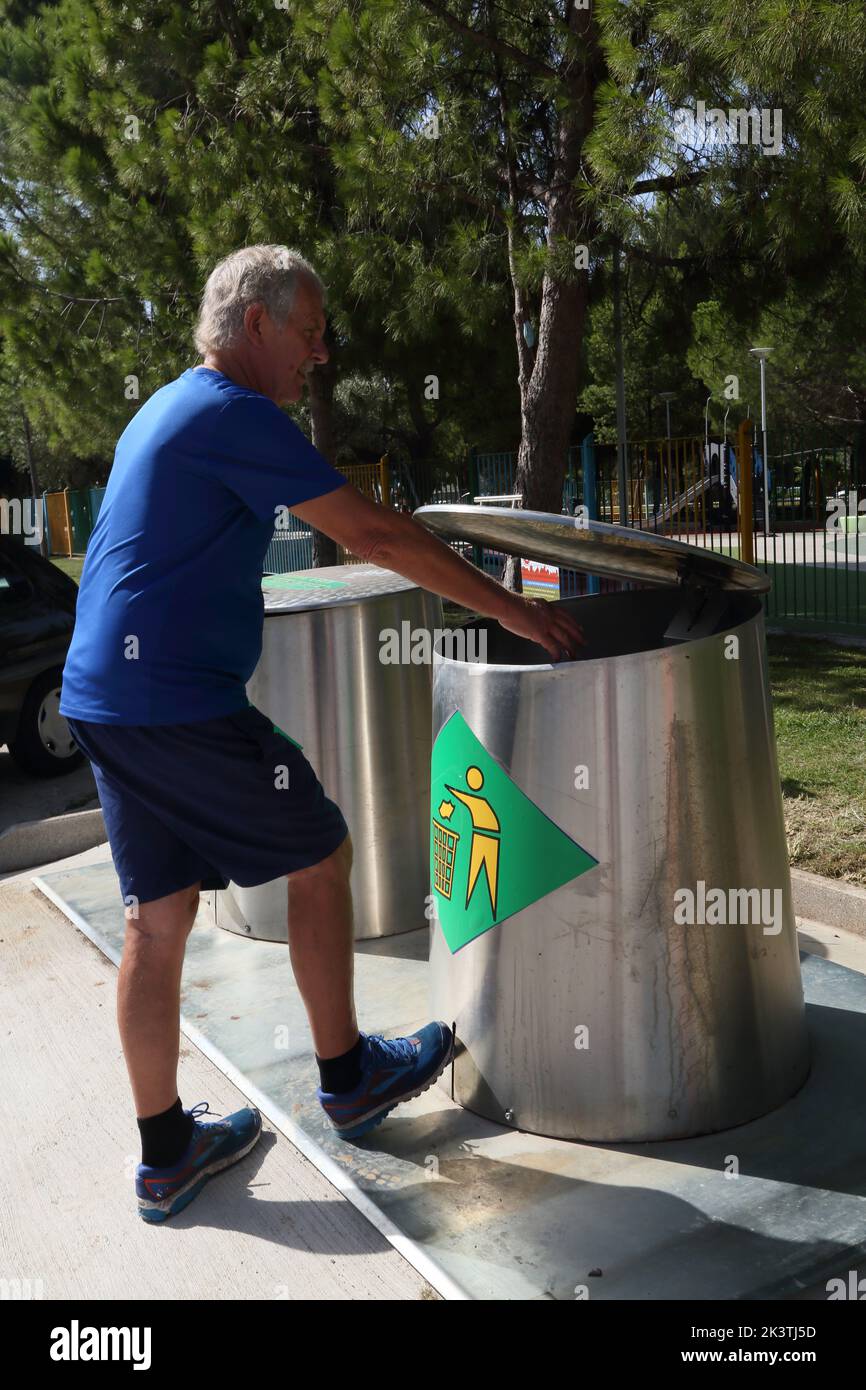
[[488, 1213]]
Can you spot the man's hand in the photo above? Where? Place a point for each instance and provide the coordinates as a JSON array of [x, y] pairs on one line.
[[546, 623]]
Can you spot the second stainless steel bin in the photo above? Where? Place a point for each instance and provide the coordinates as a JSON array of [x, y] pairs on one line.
[[363, 721]]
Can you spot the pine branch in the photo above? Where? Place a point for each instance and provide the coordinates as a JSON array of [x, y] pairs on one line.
[[652, 259], [22, 211], [443, 186], [668, 182], [491, 45], [526, 186]]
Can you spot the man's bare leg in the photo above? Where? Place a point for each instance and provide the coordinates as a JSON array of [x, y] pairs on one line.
[[321, 950], [148, 997]]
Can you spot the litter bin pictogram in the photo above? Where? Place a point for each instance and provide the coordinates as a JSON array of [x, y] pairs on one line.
[[444, 845]]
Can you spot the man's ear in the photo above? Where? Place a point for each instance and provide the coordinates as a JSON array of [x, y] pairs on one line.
[[254, 324]]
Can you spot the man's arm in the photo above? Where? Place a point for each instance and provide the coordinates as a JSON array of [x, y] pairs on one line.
[[396, 541]]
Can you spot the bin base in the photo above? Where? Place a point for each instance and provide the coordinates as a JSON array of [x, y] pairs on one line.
[[467, 1088]]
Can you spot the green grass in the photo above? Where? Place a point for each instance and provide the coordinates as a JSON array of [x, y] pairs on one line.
[[814, 598], [817, 598], [831, 598], [71, 566], [819, 704]]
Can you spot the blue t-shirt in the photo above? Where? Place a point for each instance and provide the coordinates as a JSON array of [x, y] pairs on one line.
[[170, 614]]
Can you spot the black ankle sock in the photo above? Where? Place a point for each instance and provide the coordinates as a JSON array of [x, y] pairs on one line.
[[339, 1074], [165, 1138]]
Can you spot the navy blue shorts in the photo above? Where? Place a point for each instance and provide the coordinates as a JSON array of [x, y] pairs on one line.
[[222, 799]]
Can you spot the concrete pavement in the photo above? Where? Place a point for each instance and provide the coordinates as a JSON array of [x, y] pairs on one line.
[[272, 1227]]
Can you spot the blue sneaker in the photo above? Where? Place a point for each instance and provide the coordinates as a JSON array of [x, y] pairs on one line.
[[392, 1070], [214, 1146]]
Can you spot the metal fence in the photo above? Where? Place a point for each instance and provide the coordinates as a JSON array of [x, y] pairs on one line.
[[803, 521], [291, 546], [404, 488]]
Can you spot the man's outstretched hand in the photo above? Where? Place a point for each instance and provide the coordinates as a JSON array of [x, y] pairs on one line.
[[546, 623]]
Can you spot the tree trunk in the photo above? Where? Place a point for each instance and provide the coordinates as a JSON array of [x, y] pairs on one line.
[[321, 388], [419, 443], [549, 384], [34, 482]]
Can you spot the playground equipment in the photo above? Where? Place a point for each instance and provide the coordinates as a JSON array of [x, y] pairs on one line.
[[689, 485], [683, 502], [685, 485], [363, 723], [585, 817]]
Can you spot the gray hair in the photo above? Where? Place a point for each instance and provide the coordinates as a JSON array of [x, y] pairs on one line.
[[267, 275]]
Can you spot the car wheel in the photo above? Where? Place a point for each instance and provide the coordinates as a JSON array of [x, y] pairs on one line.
[[43, 744]]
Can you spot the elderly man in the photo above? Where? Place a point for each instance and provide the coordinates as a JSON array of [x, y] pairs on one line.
[[168, 632]]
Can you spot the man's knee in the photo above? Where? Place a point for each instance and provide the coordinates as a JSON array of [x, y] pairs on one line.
[[336, 866], [166, 918]]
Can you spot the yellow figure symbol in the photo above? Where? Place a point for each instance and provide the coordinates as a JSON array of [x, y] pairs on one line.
[[484, 849]]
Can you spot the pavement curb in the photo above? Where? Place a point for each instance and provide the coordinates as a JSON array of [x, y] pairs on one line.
[[831, 901], [36, 842]]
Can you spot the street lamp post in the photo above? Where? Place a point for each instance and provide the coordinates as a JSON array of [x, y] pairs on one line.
[[667, 397], [762, 353]]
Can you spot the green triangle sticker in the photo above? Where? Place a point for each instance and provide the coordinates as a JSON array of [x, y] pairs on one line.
[[492, 851]]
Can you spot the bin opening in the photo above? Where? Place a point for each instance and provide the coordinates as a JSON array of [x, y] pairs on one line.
[[617, 624]]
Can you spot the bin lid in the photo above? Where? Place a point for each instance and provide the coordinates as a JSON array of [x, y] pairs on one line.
[[620, 552], [330, 586]]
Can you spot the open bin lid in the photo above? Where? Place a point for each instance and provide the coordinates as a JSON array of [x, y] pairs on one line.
[[620, 552]]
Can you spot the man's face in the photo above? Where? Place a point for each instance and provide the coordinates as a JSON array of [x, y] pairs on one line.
[[293, 350]]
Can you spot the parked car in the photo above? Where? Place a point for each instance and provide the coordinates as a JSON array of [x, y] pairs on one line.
[[37, 615]]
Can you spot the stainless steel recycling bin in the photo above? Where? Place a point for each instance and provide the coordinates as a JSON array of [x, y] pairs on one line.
[[615, 935], [363, 723]]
